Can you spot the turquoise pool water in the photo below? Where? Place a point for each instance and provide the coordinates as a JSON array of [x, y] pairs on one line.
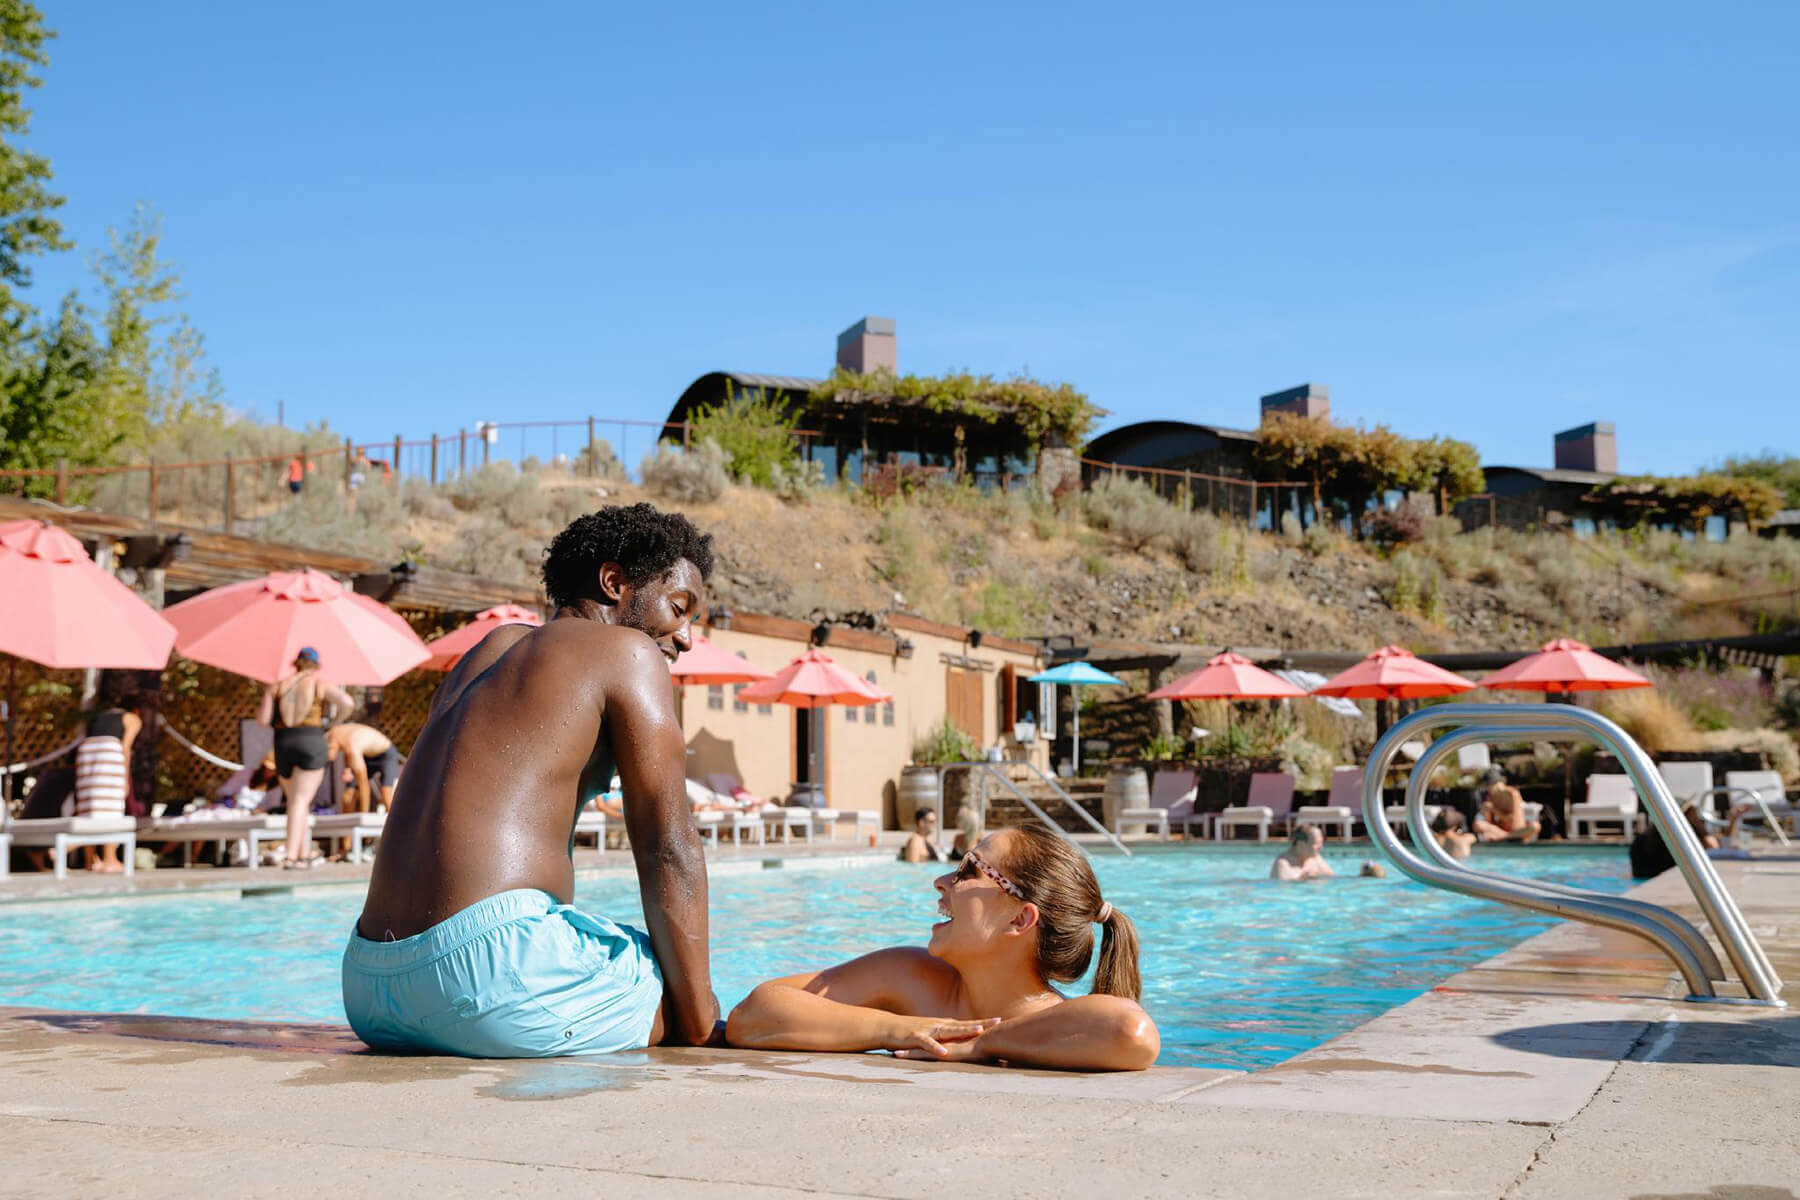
[[1238, 971]]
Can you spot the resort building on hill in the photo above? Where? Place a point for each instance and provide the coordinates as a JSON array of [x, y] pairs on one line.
[[1519, 497], [849, 434]]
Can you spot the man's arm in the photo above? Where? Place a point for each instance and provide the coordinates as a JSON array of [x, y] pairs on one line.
[[648, 747], [360, 769]]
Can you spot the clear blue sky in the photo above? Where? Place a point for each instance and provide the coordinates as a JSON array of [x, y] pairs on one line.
[[1491, 222]]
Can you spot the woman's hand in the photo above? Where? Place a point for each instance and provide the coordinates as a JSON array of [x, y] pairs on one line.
[[934, 1037]]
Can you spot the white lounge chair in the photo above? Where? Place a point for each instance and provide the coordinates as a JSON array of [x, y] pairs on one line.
[[1766, 785], [1170, 789], [5, 854], [1340, 808], [776, 820], [591, 822], [63, 834], [1690, 783], [714, 825], [858, 819], [361, 828], [221, 825], [1474, 757], [1271, 798], [1611, 799], [786, 822]]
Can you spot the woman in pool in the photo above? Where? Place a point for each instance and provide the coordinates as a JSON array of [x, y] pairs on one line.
[[1019, 913]]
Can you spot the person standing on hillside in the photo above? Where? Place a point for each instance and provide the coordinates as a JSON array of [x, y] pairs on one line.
[[469, 942], [297, 469]]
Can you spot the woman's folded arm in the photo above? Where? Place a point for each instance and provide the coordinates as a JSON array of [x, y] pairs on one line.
[[846, 1009], [1084, 1033]]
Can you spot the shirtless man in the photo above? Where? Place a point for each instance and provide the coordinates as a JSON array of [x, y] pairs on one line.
[[469, 943], [366, 751], [1302, 859], [1502, 815]]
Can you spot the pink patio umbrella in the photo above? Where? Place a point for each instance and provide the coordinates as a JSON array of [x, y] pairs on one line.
[[59, 608], [1229, 677], [1558, 668], [703, 662], [1565, 665], [814, 681], [1392, 673], [448, 650], [255, 628]]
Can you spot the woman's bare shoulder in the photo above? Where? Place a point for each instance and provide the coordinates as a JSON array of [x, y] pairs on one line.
[[903, 979]]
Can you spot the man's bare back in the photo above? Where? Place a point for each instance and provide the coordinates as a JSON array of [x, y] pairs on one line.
[[495, 780]]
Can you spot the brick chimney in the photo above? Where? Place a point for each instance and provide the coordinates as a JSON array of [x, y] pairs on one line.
[[1307, 400], [1590, 447], [868, 344]]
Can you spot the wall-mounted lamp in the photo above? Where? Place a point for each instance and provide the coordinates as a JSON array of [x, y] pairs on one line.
[[974, 639], [821, 633], [903, 648]]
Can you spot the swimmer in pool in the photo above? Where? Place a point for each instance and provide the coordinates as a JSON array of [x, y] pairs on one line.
[[1302, 859], [1019, 914], [469, 942]]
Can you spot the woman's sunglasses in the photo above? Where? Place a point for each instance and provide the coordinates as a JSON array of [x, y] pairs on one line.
[[973, 862]]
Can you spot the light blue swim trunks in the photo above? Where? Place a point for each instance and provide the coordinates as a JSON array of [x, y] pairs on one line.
[[514, 976]]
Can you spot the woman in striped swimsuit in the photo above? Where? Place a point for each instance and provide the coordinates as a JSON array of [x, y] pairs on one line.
[[103, 766]]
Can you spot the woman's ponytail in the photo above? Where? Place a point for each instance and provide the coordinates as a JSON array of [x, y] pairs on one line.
[[1117, 972]]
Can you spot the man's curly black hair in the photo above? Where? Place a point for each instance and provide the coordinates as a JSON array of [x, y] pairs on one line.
[[641, 538]]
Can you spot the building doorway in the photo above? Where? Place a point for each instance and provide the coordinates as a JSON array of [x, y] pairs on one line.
[[963, 701]]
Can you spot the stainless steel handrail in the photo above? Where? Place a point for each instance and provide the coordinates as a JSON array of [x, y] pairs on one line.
[[1420, 828], [1756, 798], [991, 769], [1749, 962]]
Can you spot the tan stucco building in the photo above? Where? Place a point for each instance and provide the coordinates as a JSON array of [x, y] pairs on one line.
[[932, 669]]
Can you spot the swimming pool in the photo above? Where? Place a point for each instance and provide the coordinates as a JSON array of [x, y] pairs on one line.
[[1238, 971]]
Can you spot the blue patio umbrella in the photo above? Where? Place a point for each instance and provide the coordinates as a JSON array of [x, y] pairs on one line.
[[1075, 674]]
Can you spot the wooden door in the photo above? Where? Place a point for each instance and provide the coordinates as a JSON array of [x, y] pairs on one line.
[[963, 696]]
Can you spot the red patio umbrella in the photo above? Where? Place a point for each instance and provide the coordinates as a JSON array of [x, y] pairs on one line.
[[1392, 673], [59, 608], [448, 650], [703, 662], [814, 681], [1565, 665], [1228, 677], [255, 628]]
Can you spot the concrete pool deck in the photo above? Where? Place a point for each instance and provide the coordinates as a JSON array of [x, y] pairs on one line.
[[1565, 1067]]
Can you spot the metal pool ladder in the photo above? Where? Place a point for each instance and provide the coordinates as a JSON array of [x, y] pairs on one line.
[[1685, 945]]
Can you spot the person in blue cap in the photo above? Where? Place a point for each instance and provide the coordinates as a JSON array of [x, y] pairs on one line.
[[295, 706]]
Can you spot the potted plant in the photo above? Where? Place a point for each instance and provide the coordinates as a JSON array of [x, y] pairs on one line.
[[941, 744]]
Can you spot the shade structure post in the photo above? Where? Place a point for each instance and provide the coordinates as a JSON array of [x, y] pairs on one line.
[[12, 704], [1075, 737]]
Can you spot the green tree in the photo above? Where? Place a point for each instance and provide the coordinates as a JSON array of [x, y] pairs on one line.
[[1450, 469], [27, 224], [155, 374], [1779, 471], [48, 409], [755, 431]]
